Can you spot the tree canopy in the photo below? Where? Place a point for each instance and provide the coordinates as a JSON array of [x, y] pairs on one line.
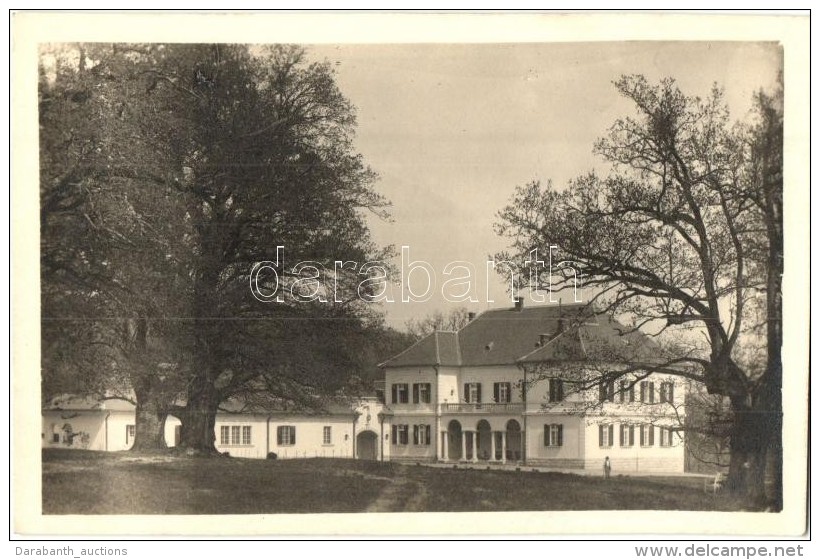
[[167, 171], [674, 237]]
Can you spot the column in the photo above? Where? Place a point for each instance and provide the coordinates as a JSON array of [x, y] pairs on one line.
[[504, 446], [446, 451], [463, 445], [475, 447], [492, 446]]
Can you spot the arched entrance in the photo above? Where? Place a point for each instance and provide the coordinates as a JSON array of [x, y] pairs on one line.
[[485, 442], [367, 446], [454, 435], [513, 441]]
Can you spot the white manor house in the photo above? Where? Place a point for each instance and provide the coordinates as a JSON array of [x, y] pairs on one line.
[[507, 388]]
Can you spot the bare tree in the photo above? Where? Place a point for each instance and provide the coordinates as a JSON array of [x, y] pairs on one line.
[[672, 239], [452, 320]]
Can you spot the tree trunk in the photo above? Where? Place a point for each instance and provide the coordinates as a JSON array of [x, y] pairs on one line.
[[152, 408], [150, 425], [749, 445], [199, 418]]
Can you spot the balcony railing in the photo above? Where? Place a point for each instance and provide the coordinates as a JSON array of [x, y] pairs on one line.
[[482, 408]]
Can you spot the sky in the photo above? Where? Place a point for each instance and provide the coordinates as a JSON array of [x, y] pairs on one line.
[[452, 129]]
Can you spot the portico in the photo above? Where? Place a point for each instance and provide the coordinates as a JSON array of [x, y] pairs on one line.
[[491, 440]]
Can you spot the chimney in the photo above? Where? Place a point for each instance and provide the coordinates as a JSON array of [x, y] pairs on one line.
[[519, 303], [470, 316]]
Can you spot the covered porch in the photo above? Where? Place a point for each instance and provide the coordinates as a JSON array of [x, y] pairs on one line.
[[494, 440]]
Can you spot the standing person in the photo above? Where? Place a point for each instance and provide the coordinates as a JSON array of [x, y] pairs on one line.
[[607, 467]]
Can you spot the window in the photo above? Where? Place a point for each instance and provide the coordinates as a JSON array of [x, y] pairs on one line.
[[400, 432], [606, 433], [234, 435], [666, 437], [647, 392], [286, 435], [421, 434], [647, 435], [472, 392], [553, 435], [327, 435], [130, 433], [606, 391], [421, 393], [400, 393], [556, 390], [667, 392], [502, 392], [627, 435], [627, 392]]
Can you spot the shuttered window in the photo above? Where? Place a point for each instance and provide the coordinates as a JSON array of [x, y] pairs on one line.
[[421, 393], [606, 391], [400, 434], [502, 392], [647, 392], [472, 392], [556, 390], [627, 435], [647, 435], [667, 392], [606, 433], [398, 393], [627, 392], [286, 435], [421, 434], [553, 435]]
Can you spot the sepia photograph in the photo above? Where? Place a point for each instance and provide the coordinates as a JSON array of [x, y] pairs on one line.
[[353, 275]]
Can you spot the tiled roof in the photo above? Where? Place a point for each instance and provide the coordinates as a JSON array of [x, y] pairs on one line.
[[543, 333], [332, 407], [87, 402]]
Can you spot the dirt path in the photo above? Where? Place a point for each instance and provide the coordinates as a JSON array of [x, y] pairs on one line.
[[400, 495]]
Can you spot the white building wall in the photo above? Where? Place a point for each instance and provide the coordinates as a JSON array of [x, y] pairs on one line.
[[309, 437], [118, 422], [569, 454], [88, 427], [410, 376], [448, 391], [171, 425], [488, 376], [258, 425], [538, 390], [635, 458], [421, 452]]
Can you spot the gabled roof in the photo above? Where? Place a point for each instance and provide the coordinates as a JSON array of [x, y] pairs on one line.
[[596, 339], [546, 333], [88, 402], [437, 348]]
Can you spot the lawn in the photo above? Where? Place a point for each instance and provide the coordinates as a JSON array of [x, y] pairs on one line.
[[88, 482]]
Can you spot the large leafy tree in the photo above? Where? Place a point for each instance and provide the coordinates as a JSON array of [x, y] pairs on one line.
[[273, 165], [678, 237], [202, 159], [114, 240]]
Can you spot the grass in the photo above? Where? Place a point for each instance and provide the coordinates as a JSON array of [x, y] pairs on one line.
[[88, 482]]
